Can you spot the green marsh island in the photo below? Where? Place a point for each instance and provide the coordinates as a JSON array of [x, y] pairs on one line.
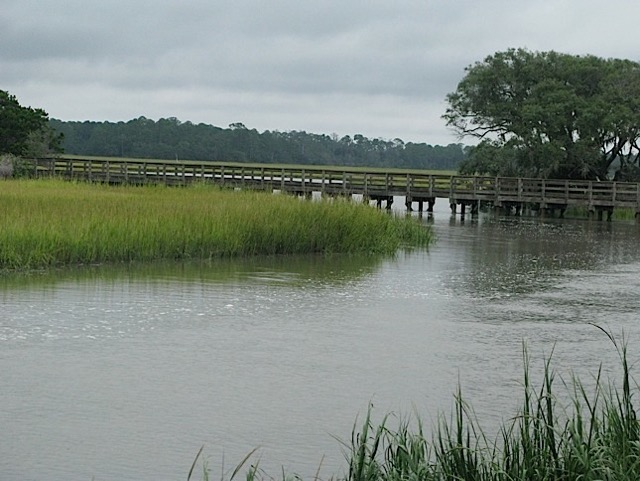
[[54, 223]]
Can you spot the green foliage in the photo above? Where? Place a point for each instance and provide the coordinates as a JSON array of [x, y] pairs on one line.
[[51, 223], [555, 115], [24, 131], [591, 437], [595, 437], [172, 139], [492, 158]]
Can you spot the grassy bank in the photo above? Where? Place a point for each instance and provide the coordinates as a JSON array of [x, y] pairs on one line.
[[50, 223], [593, 436]]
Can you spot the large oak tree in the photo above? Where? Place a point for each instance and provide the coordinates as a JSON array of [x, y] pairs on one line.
[[548, 114]]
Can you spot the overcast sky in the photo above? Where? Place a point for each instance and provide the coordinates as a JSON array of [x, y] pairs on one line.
[[381, 68]]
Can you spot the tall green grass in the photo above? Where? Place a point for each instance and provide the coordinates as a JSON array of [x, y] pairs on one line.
[[50, 222], [593, 436], [620, 213], [624, 214]]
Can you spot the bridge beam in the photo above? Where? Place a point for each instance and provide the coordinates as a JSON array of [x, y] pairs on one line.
[[409, 200], [387, 199], [474, 206]]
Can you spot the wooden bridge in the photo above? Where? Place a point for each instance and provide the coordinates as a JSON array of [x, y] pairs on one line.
[[372, 184]]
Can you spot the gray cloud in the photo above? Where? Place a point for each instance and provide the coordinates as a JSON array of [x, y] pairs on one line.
[[378, 68]]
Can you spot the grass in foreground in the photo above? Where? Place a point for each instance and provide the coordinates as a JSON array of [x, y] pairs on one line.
[[593, 438], [596, 437], [49, 223]]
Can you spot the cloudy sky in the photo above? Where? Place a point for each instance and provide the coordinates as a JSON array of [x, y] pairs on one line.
[[381, 68]]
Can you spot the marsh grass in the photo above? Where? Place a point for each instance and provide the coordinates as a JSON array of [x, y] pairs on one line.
[[592, 437], [595, 437], [620, 213], [624, 214], [49, 222]]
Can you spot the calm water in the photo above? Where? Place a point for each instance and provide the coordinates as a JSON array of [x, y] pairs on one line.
[[122, 374]]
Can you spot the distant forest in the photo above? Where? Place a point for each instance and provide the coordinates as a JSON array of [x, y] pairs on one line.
[[172, 139]]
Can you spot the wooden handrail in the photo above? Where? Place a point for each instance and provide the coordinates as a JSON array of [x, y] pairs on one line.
[[413, 184]]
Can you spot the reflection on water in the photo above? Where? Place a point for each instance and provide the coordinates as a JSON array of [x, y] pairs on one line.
[[515, 256], [124, 372], [287, 269], [117, 300]]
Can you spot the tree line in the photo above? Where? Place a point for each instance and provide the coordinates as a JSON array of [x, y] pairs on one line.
[[170, 138], [531, 114]]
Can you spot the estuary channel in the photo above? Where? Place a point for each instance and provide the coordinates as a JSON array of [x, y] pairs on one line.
[[124, 373]]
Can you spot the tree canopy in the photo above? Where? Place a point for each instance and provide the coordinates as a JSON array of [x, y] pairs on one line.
[[548, 114], [169, 138], [24, 130]]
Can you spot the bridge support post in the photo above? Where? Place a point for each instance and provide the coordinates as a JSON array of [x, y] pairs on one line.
[[389, 202], [407, 202], [609, 211], [430, 201], [387, 199]]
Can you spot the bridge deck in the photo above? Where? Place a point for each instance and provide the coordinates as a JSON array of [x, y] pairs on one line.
[[374, 183]]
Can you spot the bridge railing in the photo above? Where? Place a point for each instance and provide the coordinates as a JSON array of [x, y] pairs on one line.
[[346, 181]]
